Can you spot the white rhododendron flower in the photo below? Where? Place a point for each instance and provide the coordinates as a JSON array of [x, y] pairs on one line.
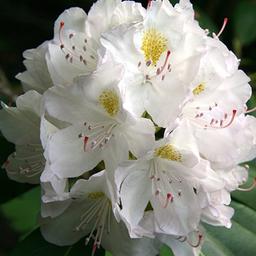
[[168, 178], [134, 122], [91, 210], [21, 126], [156, 58], [37, 76], [101, 128], [74, 49]]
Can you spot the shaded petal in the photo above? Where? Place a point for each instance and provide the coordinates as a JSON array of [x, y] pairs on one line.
[[67, 223], [26, 164], [37, 76], [127, 246], [16, 122], [96, 183], [54, 209]]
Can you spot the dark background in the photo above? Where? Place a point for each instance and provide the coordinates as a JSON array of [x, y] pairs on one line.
[[25, 24]]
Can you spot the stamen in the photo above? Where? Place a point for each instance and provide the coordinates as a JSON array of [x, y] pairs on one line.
[[199, 89], [100, 137], [109, 100], [223, 27], [85, 142], [253, 186], [96, 126], [200, 237], [74, 52], [231, 120], [168, 152], [109, 220], [250, 110], [221, 122], [154, 44], [169, 198], [182, 238], [94, 248], [148, 63], [149, 4], [159, 71]]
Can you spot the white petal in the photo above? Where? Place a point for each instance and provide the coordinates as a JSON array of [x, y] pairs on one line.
[[120, 42], [99, 17], [66, 222], [54, 209], [46, 131], [37, 76], [73, 18], [185, 144], [163, 100], [26, 164], [128, 246], [181, 216], [95, 183], [140, 136], [67, 156], [76, 99], [60, 67], [179, 248], [128, 12], [16, 122], [218, 216], [116, 151], [135, 192]]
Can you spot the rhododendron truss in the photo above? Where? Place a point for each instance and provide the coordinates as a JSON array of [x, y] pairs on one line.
[[134, 123]]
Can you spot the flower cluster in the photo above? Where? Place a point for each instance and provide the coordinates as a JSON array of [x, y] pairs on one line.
[[134, 122]]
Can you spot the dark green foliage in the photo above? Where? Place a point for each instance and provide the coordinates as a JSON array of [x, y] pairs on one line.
[[25, 24]]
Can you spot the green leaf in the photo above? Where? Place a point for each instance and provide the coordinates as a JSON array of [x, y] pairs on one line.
[[244, 21], [239, 240], [35, 245], [166, 251], [22, 211]]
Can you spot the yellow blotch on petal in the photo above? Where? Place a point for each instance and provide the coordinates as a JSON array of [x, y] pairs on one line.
[[109, 100], [153, 45], [168, 152], [199, 89], [96, 195]]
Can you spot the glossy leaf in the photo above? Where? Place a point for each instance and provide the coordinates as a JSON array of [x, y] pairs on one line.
[[239, 240], [22, 211]]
